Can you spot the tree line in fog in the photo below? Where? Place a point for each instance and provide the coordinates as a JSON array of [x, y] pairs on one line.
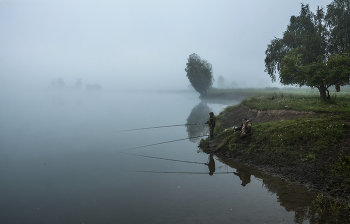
[[59, 83]]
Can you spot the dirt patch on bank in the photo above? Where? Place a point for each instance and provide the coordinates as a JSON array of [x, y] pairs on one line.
[[259, 116]]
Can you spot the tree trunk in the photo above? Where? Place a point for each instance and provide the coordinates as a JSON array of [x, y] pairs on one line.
[[324, 93]]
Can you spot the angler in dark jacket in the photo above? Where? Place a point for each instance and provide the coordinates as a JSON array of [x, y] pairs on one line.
[[211, 123], [246, 128], [211, 165]]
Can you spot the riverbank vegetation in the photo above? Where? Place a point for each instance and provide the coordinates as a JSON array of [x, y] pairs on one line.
[[311, 150]]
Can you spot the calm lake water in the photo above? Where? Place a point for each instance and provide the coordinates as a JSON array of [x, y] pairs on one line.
[[63, 159]]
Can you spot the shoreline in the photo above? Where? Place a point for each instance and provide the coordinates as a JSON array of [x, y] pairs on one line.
[[314, 175]]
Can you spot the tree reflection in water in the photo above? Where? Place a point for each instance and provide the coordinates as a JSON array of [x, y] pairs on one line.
[[199, 114]]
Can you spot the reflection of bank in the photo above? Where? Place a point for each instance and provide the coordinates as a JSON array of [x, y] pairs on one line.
[[291, 197], [211, 165], [199, 114], [244, 176]]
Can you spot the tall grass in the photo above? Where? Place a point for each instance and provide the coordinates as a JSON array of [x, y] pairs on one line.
[[301, 102]]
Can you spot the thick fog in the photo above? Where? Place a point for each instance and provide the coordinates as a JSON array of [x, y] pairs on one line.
[[137, 44], [65, 68]]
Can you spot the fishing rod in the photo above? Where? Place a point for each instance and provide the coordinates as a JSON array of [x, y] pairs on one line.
[[164, 142], [165, 126], [170, 172], [153, 157]]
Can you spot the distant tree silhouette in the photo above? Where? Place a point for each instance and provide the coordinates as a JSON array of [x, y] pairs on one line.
[[60, 83], [199, 72], [233, 85], [53, 83], [78, 83], [221, 82], [93, 87]]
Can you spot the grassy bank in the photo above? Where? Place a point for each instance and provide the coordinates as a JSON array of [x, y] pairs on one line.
[[325, 129], [315, 147]]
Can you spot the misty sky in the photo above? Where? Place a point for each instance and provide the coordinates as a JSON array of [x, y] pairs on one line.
[[138, 44]]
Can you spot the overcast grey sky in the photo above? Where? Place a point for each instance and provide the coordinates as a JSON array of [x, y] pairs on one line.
[[138, 44]]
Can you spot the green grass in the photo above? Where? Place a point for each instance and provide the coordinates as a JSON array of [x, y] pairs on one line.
[[290, 141], [303, 99], [342, 167], [301, 102], [297, 140], [324, 205]]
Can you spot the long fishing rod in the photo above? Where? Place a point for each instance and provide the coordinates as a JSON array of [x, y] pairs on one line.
[[165, 126], [153, 157], [164, 142], [170, 172]]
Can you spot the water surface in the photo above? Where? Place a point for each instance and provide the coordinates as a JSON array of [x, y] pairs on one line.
[[63, 160]]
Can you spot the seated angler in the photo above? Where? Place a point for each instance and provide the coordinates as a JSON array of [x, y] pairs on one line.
[[246, 128]]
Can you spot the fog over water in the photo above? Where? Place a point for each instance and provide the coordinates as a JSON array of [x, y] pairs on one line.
[[64, 159], [73, 75]]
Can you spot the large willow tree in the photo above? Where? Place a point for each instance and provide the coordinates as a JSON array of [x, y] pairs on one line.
[[314, 50], [199, 72]]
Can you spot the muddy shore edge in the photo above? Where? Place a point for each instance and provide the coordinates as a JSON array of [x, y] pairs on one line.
[[315, 176]]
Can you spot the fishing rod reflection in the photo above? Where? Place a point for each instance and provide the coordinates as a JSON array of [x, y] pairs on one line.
[[210, 164], [244, 176], [161, 158], [166, 142]]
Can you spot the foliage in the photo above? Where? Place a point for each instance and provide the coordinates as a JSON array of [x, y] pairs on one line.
[[199, 72], [338, 19], [313, 50], [320, 74], [303, 32], [324, 205], [342, 167]]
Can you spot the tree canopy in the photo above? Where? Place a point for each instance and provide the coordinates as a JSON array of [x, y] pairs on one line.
[[199, 72], [314, 50]]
